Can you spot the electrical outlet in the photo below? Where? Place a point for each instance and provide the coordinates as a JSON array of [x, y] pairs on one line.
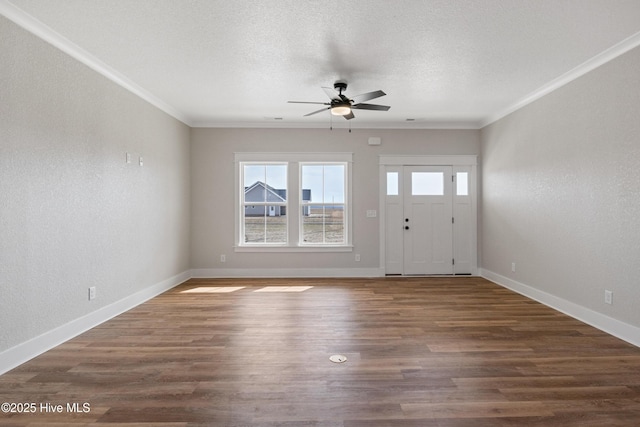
[[357, 257], [608, 297], [223, 258], [513, 267], [128, 157], [92, 293]]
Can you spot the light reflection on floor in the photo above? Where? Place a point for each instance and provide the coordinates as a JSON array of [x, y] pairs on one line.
[[284, 289], [228, 289], [212, 290]]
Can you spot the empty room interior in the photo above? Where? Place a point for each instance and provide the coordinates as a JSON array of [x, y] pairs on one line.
[[320, 213]]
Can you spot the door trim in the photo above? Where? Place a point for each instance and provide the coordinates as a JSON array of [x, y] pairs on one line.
[[428, 160], [422, 160]]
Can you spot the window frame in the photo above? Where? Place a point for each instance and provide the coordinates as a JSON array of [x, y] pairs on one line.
[[294, 202], [266, 204], [324, 203]]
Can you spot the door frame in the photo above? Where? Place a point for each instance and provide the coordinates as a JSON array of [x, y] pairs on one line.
[[429, 160]]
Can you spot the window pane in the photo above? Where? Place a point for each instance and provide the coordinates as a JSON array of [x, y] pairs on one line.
[[312, 180], [333, 184], [325, 183], [254, 230], [323, 224], [313, 225], [427, 183], [265, 229], [462, 183], [392, 183], [264, 205], [265, 182], [334, 224], [277, 180], [322, 203], [276, 229]]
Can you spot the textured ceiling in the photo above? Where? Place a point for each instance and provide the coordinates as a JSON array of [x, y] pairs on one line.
[[442, 63]]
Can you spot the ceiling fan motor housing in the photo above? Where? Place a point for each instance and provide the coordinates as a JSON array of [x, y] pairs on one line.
[[340, 86]]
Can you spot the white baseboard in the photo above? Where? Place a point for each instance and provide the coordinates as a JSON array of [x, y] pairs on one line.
[[285, 272], [21, 353], [617, 328]]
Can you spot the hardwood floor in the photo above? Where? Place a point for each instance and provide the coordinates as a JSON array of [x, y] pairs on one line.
[[445, 352]]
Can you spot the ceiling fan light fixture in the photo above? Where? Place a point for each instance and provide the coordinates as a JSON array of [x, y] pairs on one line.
[[341, 109], [340, 105]]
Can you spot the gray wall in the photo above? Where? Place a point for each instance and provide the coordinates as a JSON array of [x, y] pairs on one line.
[[561, 191], [212, 160], [73, 214]]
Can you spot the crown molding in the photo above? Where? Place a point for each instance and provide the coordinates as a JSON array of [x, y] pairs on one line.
[[39, 29], [602, 58], [341, 125]]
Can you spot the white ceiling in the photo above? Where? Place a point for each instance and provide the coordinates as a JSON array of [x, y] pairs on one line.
[[442, 63]]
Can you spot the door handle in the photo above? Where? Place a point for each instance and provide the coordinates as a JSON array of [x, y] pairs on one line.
[[406, 220]]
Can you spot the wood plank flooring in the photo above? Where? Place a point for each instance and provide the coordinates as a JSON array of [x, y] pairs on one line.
[[445, 352]]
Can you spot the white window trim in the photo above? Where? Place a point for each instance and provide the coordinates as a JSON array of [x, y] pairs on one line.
[[293, 199]]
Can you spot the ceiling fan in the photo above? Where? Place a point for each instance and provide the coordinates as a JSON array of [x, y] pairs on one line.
[[340, 105]]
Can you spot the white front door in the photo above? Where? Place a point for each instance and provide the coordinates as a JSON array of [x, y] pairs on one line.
[[429, 219], [428, 224], [428, 212]]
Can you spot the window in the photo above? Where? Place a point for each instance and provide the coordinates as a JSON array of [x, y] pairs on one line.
[[462, 183], [293, 202], [323, 203], [427, 184], [264, 203], [392, 183]]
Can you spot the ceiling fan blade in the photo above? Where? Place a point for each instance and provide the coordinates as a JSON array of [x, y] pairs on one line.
[[316, 112], [349, 116], [331, 92], [306, 102], [370, 107], [367, 96]]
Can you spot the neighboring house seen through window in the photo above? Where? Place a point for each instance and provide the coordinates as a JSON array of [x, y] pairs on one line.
[[264, 218]]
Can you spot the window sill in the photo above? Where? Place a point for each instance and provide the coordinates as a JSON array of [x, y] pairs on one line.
[[316, 249]]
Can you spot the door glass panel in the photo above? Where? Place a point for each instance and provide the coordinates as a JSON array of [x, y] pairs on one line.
[[462, 183], [427, 183], [392, 183]]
